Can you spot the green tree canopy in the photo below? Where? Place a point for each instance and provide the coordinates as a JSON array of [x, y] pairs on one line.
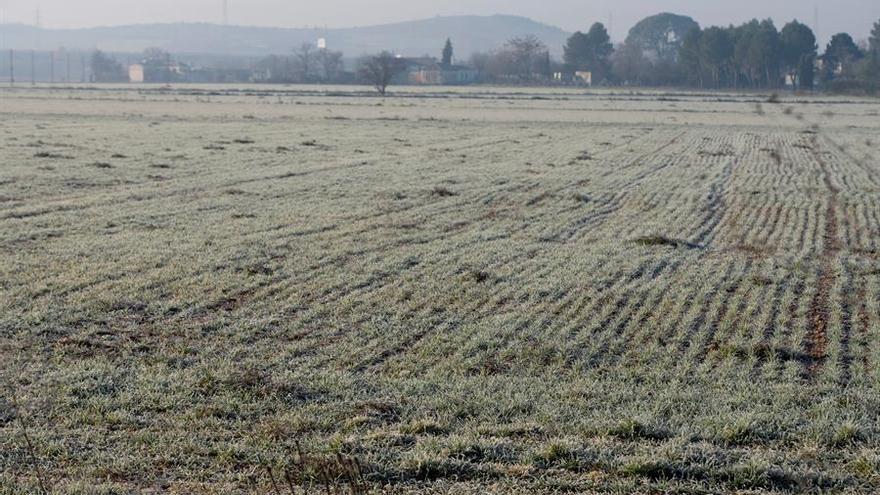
[[798, 48], [757, 52], [447, 53], [716, 53], [840, 56], [689, 57], [591, 51], [660, 37]]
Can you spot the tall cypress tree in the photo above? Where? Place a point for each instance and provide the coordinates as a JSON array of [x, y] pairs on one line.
[[447, 53]]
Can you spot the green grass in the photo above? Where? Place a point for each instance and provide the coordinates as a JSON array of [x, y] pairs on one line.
[[439, 292]]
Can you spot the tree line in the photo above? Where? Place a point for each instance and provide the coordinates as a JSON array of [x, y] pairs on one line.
[[661, 50], [672, 50]]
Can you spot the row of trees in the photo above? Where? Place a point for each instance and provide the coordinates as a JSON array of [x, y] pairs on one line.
[[307, 64], [668, 49], [673, 50], [665, 49]]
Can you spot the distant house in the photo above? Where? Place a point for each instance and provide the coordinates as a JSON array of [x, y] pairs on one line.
[[443, 75], [580, 78], [136, 73], [428, 71], [158, 72]]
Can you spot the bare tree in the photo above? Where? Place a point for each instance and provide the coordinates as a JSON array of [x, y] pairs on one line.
[[305, 61], [380, 69], [528, 56], [330, 64]]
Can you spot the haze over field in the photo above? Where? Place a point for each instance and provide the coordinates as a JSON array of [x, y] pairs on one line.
[[853, 16]]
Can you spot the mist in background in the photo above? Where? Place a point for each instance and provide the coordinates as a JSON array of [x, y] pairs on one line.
[[853, 16]]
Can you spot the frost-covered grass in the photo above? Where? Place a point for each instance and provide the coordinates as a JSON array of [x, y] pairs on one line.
[[468, 291]]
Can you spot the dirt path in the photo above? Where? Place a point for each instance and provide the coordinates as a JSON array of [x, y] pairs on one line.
[[818, 314]]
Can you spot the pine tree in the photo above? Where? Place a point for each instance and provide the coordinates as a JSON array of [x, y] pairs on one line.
[[447, 53]]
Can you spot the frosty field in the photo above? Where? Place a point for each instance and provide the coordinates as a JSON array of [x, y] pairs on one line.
[[237, 290]]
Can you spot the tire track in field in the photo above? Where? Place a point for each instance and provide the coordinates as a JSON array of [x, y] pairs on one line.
[[864, 322], [847, 315], [816, 339]]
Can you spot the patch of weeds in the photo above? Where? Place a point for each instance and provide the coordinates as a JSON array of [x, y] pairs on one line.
[[102, 165], [324, 473], [742, 432], [660, 470], [762, 280], [7, 411], [480, 276], [774, 98], [559, 455], [259, 269], [383, 412], [581, 198], [54, 156], [756, 477], [243, 141], [863, 466], [847, 434], [443, 192], [261, 384], [161, 165], [310, 142], [659, 240], [423, 427], [118, 155], [214, 147], [632, 429], [716, 153]]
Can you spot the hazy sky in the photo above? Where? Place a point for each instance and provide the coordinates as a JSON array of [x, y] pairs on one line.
[[854, 16]]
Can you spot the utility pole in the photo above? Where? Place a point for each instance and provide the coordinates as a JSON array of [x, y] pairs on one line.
[[11, 67], [33, 67], [67, 56], [52, 67], [83, 67]]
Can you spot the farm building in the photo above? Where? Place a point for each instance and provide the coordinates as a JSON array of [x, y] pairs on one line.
[[437, 74], [136, 73]]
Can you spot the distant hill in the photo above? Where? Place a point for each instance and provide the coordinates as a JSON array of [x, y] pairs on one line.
[[413, 38]]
